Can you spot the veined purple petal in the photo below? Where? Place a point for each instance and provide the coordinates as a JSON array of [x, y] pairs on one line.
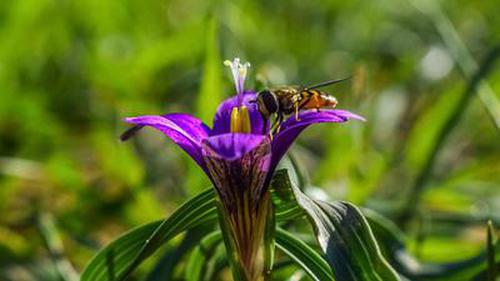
[[239, 167], [231, 146], [183, 129], [291, 128], [238, 163], [222, 120]]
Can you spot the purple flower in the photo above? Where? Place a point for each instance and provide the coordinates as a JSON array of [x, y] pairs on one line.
[[239, 156]]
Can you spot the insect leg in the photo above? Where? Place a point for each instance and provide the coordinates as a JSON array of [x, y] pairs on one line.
[[302, 103], [280, 120], [272, 128], [296, 105]]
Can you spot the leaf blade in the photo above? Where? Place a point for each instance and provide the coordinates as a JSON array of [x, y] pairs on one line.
[[344, 236], [117, 260], [196, 263], [308, 259], [392, 242]]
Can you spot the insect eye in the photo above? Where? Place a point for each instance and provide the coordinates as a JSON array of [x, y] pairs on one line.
[[264, 93], [269, 100]]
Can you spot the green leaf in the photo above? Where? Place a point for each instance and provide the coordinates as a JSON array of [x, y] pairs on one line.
[[269, 240], [195, 267], [282, 196], [119, 253], [461, 55], [123, 255], [117, 260], [166, 266], [54, 243], [392, 243], [344, 236], [490, 250], [432, 130], [312, 262], [218, 262], [284, 203]]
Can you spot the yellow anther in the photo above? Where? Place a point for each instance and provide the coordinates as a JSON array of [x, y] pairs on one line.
[[246, 127], [235, 120], [240, 120]]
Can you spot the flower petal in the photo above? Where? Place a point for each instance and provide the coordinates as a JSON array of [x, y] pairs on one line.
[[222, 120], [183, 129], [238, 163], [291, 128], [231, 146], [239, 167]]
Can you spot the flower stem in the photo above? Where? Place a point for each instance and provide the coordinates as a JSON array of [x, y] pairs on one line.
[[245, 228]]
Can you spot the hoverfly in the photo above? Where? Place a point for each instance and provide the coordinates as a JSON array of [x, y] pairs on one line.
[[291, 99]]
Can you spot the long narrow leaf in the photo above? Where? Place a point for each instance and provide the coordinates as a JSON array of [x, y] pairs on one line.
[[197, 260], [344, 236], [117, 260], [122, 256], [270, 241], [166, 266], [490, 250], [54, 244], [308, 259], [427, 155], [461, 54], [392, 242]]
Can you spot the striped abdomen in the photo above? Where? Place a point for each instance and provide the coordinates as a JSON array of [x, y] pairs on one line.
[[311, 99]]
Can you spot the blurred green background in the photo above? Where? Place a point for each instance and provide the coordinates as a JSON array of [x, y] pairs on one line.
[[428, 156]]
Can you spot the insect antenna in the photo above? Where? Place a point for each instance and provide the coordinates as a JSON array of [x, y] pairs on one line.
[[327, 83]]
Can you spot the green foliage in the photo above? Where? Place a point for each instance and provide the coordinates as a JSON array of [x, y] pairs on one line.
[[71, 70], [392, 244], [491, 243], [197, 263], [121, 257], [344, 236], [308, 259], [116, 257]]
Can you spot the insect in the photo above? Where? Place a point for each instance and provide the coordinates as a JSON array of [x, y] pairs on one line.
[[286, 100]]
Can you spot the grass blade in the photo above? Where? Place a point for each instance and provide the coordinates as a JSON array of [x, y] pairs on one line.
[[54, 244], [490, 250], [392, 242], [450, 122], [461, 54]]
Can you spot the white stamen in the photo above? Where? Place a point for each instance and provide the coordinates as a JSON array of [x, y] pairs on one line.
[[239, 72]]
